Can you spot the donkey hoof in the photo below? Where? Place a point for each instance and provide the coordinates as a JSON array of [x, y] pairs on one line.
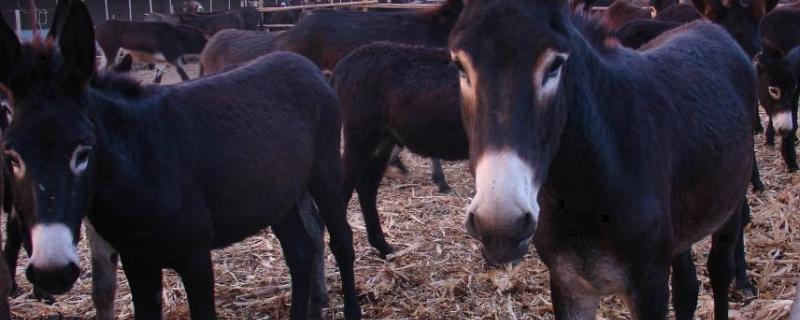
[[758, 186], [45, 297], [793, 168], [746, 293], [384, 250], [444, 189], [352, 313]]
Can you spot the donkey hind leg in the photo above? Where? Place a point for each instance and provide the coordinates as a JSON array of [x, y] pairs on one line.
[[788, 151], [179, 67], [743, 284], [367, 188], [437, 175], [313, 225], [197, 275], [325, 188], [755, 177], [160, 71], [104, 274], [396, 162], [145, 283], [299, 251], [721, 263], [770, 134], [569, 305], [685, 286], [757, 127]]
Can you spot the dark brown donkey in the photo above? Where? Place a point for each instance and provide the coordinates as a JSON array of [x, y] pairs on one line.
[[778, 67], [166, 174], [591, 152], [150, 42], [395, 95]]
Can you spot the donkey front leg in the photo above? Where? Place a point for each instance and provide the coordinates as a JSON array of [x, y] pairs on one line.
[[649, 297], [571, 304], [685, 286], [788, 151], [197, 275], [12, 248], [145, 283], [104, 274]]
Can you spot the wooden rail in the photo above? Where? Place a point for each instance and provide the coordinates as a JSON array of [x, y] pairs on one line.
[[318, 6]]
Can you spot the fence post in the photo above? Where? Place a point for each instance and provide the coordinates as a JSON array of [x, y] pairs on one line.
[[18, 22], [105, 2], [130, 11]]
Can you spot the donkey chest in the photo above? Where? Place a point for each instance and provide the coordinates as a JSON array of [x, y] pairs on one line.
[[589, 272]]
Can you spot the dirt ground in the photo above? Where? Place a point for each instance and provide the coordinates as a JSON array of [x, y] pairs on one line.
[[438, 272]]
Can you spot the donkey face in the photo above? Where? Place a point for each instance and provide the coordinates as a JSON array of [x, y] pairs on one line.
[[739, 17], [510, 55], [776, 90], [49, 142]]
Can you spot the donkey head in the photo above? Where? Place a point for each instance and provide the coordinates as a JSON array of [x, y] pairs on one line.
[[739, 17], [777, 89], [510, 54], [50, 139]]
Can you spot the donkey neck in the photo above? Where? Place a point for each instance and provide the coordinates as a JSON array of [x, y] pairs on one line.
[[138, 143], [779, 36], [593, 159]]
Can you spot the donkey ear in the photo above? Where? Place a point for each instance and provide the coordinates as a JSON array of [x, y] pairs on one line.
[[76, 42], [711, 9], [59, 18], [762, 7], [9, 48]]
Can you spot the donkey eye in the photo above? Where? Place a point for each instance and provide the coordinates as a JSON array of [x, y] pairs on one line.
[[553, 69], [80, 159], [462, 73], [17, 165], [7, 110], [775, 92]]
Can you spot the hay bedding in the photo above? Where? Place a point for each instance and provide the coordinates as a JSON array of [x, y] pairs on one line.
[[438, 272]]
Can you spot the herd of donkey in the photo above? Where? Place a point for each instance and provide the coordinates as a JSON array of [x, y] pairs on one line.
[[573, 124]]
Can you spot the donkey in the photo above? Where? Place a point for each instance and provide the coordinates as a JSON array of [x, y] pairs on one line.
[[778, 67], [555, 119], [150, 42], [326, 36], [394, 95], [795, 313], [199, 195], [6, 280], [213, 23], [227, 47], [250, 19]]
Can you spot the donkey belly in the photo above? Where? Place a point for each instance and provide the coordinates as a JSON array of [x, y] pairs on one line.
[[145, 57]]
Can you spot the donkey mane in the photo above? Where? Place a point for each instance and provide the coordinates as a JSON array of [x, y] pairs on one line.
[[448, 9], [593, 31], [111, 82]]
